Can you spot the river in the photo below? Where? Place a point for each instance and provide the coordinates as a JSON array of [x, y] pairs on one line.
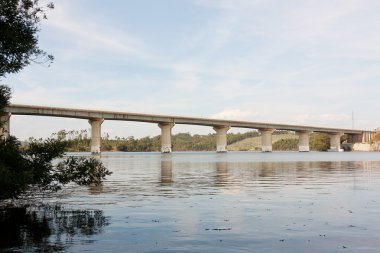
[[209, 202]]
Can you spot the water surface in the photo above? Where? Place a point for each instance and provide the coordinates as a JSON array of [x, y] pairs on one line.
[[208, 202]]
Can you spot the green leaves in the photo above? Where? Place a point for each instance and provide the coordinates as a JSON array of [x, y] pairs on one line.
[[5, 96], [37, 166], [18, 34], [80, 170]]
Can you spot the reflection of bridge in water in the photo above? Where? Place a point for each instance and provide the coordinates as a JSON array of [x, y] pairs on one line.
[[263, 173], [182, 174], [267, 174], [167, 122]]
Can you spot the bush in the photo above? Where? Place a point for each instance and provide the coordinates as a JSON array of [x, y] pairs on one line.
[[33, 167], [286, 145]]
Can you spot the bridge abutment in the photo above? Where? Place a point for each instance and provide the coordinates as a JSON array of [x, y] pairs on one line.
[[221, 138], [166, 137], [303, 144], [335, 142], [266, 139], [95, 135], [5, 127]]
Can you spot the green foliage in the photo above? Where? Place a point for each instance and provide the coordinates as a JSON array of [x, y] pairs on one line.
[[286, 145], [18, 34], [14, 173], [5, 96], [80, 170], [319, 142], [376, 137], [80, 141], [33, 167], [233, 138]]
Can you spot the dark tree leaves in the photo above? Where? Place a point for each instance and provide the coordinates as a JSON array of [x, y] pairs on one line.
[[38, 167], [18, 34]]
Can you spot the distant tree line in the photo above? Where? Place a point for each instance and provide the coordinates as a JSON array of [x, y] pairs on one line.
[[79, 141]]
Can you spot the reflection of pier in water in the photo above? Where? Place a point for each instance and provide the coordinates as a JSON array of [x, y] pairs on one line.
[[166, 172], [170, 174], [264, 174]]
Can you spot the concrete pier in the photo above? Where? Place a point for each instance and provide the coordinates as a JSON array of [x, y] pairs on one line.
[[366, 137], [303, 137], [335, 142], [166, 137], [95, 135], [5, 127], [221, 138], [266, 139]]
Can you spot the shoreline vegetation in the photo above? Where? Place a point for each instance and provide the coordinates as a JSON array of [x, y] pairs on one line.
[[79, 141]]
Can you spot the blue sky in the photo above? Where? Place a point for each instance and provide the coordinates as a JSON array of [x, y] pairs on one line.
[[305, 62]]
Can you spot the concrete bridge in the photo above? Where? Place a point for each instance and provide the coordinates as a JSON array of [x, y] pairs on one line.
[[167, 122]]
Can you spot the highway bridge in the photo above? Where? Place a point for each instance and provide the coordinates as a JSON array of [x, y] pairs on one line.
[[167, 122]]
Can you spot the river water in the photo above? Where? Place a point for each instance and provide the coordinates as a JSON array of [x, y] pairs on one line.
[[208, 202]]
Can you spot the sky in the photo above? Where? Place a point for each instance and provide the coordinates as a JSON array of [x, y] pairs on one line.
[[310, 62]]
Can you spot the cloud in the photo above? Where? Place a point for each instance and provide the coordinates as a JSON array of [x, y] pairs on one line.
[[80, 30], [328, 120], [233, 114]]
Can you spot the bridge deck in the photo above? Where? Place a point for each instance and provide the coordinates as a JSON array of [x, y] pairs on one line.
[[17, 109]]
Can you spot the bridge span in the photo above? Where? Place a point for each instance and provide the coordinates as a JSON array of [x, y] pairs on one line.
[[167, 122]]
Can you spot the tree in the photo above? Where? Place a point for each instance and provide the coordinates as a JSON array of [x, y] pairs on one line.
[[319, 142], [32, 167], [286, 144], [18, 34], [5, 97]]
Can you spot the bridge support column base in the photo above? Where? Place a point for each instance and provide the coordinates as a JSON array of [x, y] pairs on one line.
[[335, 143], [95, 135], [266, 148], [166, 150], [221, 138], [303, 141], [335, 150], [166, 136], [266, 140], [303, 148], [221, 149]]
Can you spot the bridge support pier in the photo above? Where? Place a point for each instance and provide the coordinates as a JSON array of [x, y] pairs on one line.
[[166, 136], [5, 128], [303, 137], [366, 137], [221, 138], [266, 139], [96, 131], [335, 142]]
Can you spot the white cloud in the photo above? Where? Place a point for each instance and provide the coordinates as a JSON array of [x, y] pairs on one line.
[[333, 120], [234, 114], [89, 35]]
